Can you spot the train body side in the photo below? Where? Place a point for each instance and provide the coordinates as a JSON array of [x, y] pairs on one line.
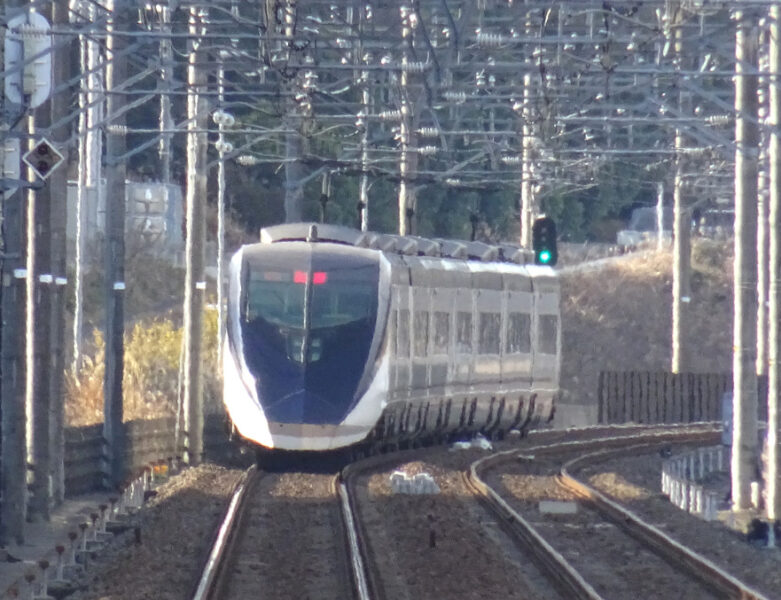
[[455, 346], [471, 346]]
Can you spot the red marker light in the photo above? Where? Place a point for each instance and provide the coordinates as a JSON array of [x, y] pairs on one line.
[[319, 277], [299, 277]]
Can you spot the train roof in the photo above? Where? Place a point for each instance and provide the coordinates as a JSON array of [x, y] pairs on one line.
[[407, 245]]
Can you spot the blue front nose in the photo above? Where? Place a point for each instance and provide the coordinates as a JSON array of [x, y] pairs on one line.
[[303, 406]]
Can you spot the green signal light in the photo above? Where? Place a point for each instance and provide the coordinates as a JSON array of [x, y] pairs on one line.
[[544, 257]]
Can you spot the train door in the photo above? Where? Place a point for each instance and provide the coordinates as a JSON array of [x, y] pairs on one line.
[[402, 350], [488, 317], [440, 339], [546, 334], [464, 346], [421, 334], [517, 342]]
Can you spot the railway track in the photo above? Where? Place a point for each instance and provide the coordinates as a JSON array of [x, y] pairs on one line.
[[601, 550], [263, 550], [282, 537], [266, 550]]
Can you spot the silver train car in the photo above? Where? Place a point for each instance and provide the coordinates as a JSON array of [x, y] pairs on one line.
[[337, 337]]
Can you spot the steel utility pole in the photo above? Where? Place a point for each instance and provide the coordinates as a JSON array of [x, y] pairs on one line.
[[744, 408], [194, 284], [114, 290]]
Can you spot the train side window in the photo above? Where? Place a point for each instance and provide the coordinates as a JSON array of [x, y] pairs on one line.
[[490, 330], [519, 334], [402, 335], [464, 332], [420, 333], [547, 335], [441, 332]]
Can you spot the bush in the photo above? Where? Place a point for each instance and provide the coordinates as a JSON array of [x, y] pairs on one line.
[[153, 349]]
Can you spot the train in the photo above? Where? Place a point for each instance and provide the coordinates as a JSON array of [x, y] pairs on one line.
[[338, 338]]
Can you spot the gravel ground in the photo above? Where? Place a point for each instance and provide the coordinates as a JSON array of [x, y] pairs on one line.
[[176, 529], [434, 546], [444, 545], [635, 481], [612, 561]]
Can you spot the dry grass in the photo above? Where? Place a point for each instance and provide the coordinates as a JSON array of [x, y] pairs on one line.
[[620, 318], [151, 373]]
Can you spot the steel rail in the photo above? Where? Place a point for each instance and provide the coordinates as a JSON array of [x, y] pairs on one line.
[[564, 575], [354, 541], [211, 577], [551, 561], [670, 549]]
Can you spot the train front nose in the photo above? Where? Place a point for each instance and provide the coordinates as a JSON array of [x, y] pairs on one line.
[[307, 333], [309, 376], [304, 406]]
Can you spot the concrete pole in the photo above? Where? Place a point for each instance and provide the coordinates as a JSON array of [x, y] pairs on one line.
[[58, 185], [762, 212], [363, 198], [13, 510], [681, 226], [195, 285], [527, 145], [744, 429], [774, 283], [37, 399], [406, 192], [114, 289], [660, 216], [92, 187], [220, 210]]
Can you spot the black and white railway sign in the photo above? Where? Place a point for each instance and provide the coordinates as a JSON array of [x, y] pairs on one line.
[[43, 158]]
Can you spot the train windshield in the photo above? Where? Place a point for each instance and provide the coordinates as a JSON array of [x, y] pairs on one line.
[[338, 297], [275, 297], [345, 297]]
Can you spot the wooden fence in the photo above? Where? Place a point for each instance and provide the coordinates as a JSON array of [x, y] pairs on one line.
[[661, 397]]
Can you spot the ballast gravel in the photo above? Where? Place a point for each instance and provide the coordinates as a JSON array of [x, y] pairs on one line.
[[166, 542], [431, 546]]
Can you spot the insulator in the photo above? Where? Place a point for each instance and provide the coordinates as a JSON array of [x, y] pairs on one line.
[[390, 115], [455, 96], [414, 67], [428, 132], [718, 120], [28, 30], [489, 40]]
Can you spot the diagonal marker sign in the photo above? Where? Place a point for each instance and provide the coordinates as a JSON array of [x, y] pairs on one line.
[[43, 158]]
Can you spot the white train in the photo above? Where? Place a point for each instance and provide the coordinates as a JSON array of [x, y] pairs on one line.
[[337, 337]]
